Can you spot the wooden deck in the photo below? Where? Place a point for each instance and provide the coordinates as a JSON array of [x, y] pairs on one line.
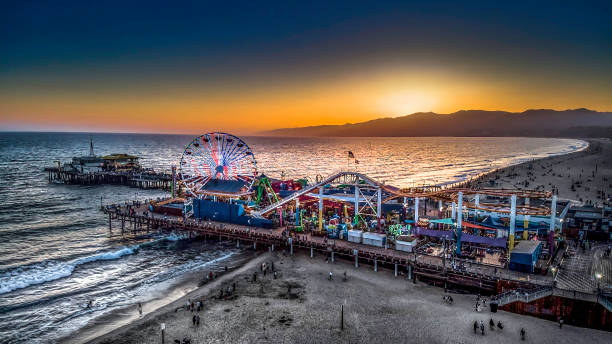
[[138, 179]]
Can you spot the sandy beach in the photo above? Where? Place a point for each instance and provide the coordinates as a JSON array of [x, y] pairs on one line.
[[581, 176], [303, 305]]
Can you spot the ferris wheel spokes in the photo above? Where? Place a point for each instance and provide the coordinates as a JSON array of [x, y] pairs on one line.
[[217, 156]]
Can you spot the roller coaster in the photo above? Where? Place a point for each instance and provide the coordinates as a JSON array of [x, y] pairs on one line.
[[450, 194]]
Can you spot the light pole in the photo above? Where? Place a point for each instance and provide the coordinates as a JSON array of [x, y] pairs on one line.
[[163, 329]]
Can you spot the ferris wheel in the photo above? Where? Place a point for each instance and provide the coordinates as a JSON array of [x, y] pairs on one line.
[[216, 156]]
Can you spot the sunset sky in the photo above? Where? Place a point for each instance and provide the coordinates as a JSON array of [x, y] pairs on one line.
[[190, 68]]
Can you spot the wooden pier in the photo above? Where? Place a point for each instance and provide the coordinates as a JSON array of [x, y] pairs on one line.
[[480, 278], [138, 179]]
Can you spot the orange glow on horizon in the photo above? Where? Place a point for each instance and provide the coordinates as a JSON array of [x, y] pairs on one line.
[[248, 109]]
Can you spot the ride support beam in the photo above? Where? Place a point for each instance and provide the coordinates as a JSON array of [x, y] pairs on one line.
[[297, 212], [321, 208], [553, 213], [459, 216], [512, 223], [454, 211], [526, 219], [553, 220], [356, 205], [477, 203], [379, 207], [416, 211]]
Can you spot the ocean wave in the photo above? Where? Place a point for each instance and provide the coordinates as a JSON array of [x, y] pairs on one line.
[[175, 237], [25, 276], [46, 271]]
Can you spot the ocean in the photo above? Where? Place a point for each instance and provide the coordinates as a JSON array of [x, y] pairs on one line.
[[56, 254]]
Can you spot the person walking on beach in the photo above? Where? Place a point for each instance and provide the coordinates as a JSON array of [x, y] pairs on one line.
[[560, 322], [140, 308], [197, 321], [331, 276], [193, 319]]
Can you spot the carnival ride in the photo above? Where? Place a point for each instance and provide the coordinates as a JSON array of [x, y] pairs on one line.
[[217, 164], [360, 182]]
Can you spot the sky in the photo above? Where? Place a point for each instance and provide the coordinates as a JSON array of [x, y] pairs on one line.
[[194, 67]]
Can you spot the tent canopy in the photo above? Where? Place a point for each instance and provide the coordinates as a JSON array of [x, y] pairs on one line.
[[447, 221]]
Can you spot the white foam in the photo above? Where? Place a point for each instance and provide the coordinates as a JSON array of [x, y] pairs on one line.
[[46, 271], [174, 237], [23, 277]]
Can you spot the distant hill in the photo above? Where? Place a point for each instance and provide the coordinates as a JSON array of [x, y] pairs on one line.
[[531, 123]]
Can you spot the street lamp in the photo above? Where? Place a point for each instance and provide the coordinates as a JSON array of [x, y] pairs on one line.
[[598, 276]]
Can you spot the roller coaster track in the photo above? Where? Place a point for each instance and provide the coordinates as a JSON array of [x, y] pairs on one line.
[[448, 194]]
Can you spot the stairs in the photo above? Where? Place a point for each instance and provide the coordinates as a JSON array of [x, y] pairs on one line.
[[522, 295]]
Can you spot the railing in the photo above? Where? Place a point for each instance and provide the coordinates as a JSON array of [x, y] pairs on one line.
[[523, 295], [605, 301], [574, 294]]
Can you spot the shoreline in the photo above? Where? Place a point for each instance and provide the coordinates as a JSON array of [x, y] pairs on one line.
[[485, 175], [175, 290], [580, 176]]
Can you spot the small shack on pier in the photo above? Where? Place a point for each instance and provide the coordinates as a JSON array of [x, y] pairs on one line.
[[121, 162], [86, 164]]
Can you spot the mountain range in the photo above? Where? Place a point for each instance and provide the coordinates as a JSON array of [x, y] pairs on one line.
[[531, 123]]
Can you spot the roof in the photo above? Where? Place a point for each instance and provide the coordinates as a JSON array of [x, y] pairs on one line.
[[220, 186], [119, 156], [586, 208], [588, 215], [87, 158], [526, 246], [447, 221]]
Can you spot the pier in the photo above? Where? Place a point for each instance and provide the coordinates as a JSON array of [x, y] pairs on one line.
[[137, 179], [513, 291], [477, 277]]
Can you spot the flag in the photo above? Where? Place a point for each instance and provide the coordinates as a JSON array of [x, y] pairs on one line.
[[351, 155], [356, 161]]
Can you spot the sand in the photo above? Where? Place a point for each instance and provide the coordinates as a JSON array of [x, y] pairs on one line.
[[589, 171], [378, 308]]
